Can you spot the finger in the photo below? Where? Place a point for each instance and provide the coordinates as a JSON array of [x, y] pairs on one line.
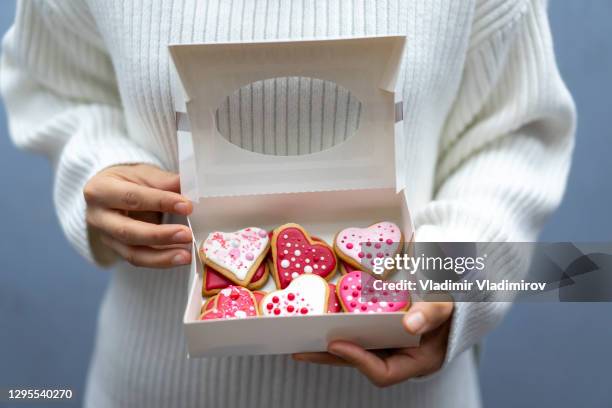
[[173, 246], [148, 257], [365, 361], [401, 367], [155, 177], [125, 195], [423, 317], [320, 358], [134, 232], [152, 217]]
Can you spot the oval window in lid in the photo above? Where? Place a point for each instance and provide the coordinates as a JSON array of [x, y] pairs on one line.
[[289, 116]]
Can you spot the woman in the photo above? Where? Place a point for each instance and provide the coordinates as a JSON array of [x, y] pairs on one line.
[[488, 135]]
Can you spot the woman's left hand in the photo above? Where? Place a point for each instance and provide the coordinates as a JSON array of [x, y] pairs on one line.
[[388, 367]]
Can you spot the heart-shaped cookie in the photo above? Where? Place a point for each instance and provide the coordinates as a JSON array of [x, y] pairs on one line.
[[213, 281], [306, 295], [357, 294], [295, 253], [345, 268], [210, 302], [261, 276], [236, 255], [233, 302], [259, 295], [333, 304], [359, 247]]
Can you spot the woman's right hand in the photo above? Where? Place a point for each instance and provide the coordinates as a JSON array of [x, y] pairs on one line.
[[125, 204]]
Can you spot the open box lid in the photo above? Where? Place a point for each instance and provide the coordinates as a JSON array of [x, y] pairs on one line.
[[211, 166]]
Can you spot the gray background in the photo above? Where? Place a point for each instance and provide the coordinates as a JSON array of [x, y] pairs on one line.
[[542, 355]]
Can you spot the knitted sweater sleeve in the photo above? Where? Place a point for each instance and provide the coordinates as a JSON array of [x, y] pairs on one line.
[[504, 155], [62, 101]]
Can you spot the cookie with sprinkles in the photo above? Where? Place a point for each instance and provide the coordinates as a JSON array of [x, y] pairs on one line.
[[333, 304], [236, 255], [233, 302], [296, 253], [357, 294], [305, 295], [210, 302], [360, 247]]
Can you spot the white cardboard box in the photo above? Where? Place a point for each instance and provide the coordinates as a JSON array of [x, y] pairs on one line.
[[354, 183]]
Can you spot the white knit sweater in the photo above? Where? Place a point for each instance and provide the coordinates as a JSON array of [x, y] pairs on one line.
[[488, 135]]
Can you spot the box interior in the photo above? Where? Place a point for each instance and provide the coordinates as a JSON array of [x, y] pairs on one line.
[[354, 183]]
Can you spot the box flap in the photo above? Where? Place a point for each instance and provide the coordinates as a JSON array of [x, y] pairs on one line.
[[367, 67]]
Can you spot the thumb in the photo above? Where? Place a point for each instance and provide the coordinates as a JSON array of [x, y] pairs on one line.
[[423, 317]]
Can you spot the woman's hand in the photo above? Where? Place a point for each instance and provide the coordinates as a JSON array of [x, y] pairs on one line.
[[388, 367], [125, 204]]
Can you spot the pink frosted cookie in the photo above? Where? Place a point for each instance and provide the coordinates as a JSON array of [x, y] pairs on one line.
[[233, 302], [306, 295], [236, 255], [356, 293], [359, 247], [210, 303], [295, 253], [259, 295]]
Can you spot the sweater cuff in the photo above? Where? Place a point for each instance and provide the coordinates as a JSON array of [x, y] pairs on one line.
[[475, 317], [73, 217]]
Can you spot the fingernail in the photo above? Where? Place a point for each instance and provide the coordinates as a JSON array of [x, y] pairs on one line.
[[179, 259], [181, 236], [415, 322], [181, 207]]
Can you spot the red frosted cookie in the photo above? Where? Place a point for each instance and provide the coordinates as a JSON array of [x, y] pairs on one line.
[[356, 293], [233, 302], [359, 247], [261, 276], [213, 281], [295, 253], [236, 255], [333, 304], [306, 295], [345, 268]]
